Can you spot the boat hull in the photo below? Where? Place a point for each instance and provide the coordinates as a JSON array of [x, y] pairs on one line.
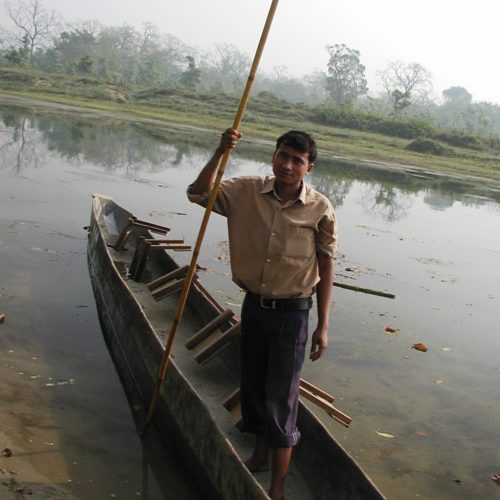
[[183, 415]]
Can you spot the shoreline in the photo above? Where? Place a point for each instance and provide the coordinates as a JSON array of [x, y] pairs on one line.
[[7, 98]]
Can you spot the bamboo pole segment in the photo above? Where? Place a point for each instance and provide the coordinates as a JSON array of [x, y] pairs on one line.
[[211, 201], [365, 290]]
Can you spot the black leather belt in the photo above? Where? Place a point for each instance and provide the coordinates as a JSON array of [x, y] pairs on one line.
[[282, 304]]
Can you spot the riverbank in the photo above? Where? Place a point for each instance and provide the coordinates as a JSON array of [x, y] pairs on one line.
[[350, 146]]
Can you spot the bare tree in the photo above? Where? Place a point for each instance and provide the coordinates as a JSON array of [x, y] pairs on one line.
[[404, 82], [231, 63], [35, 25]]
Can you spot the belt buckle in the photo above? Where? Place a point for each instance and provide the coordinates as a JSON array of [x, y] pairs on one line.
[[264, 306]]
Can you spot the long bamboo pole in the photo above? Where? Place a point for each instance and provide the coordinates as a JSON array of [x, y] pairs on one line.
[[211, 200]]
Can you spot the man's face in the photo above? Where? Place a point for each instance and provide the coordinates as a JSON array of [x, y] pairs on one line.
[[290, 166]]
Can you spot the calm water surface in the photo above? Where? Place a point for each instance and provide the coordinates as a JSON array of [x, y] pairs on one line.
[[425, 424]]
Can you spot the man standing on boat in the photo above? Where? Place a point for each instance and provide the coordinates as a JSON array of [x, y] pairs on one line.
[[282, 240]]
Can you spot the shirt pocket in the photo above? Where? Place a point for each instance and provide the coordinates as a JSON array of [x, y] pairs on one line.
[[300, 242]]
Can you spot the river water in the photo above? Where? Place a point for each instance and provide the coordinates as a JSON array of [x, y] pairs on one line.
[[425, 424]]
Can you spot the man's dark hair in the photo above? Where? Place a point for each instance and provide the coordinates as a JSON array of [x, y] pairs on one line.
[[301, 141]]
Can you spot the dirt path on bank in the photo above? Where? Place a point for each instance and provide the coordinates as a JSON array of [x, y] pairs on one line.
[[56, 107]]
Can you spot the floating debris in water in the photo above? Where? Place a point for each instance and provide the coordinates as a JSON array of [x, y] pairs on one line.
[[420, 347], [2, 318], [390, 329], [6, 452], [385, 434]]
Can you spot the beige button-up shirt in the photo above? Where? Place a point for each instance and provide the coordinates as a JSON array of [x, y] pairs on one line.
[[273, 245]]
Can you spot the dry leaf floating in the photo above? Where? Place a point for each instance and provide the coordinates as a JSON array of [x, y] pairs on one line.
[[420, 347], [390, 329]]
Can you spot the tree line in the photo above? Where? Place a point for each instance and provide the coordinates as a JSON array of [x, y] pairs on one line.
[[123, 55]]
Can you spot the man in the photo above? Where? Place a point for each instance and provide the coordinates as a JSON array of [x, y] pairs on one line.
[[282, 240]]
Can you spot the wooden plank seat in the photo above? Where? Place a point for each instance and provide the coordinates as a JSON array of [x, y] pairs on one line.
[[129, 227], [144, 245], [169, 283], [307, 390], [212, 338]]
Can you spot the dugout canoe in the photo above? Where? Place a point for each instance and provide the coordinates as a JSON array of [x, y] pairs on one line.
[[192, 411]]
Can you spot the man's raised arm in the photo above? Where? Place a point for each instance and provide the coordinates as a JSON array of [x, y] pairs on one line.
[[206, 178]]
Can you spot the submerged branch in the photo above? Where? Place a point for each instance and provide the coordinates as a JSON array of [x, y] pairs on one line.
[[365, 290]]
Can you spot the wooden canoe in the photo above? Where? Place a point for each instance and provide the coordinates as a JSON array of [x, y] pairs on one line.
[[192, 412]]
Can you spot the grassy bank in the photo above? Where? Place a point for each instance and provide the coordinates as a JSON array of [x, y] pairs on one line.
[[266, 117]]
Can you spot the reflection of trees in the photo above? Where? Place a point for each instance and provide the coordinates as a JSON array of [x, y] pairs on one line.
[[384, 199], [20, 148], [387, 201], [114, 146], [333, 187], [152, 148], [468, 191], [438, 202]]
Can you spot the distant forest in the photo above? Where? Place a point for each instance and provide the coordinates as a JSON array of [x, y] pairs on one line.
[[34, 37]]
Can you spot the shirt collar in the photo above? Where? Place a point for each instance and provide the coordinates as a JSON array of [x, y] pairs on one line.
[[269, 188]]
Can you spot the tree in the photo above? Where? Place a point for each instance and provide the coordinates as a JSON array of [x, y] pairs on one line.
[[457, 95], [404, 82], [73, 45], [35, 25], [315, 84], [346, 75], [191, 76], [18, 55], [231, 67], [400, 100], [84, 65]]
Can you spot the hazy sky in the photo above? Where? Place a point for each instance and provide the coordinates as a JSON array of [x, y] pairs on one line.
[[457, 41]]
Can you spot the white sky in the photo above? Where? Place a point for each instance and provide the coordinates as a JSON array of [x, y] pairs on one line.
[[456, 40]]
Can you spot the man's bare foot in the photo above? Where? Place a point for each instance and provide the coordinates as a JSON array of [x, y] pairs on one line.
[[276, 495], [255, 464]]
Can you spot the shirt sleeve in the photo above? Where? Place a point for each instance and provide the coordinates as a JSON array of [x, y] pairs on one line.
[[326, 237], [199, 199], [228, 190]]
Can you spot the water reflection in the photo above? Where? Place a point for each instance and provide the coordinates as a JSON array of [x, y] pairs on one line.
[[19, 149], [142, 149]]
